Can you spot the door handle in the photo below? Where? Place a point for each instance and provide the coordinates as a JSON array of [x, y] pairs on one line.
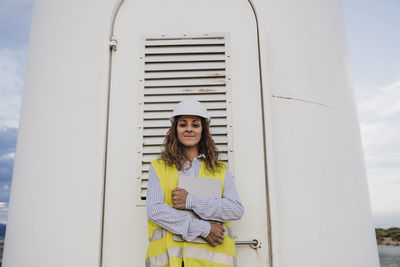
[[253, 243]]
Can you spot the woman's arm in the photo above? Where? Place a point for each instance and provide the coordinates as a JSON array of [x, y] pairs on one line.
[[223, 209], [169, 218]]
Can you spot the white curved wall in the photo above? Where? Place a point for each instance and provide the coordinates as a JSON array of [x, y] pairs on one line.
[[320, 206], [125, 235], [56, 198]]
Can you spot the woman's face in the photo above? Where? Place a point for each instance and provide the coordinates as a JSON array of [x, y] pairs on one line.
[[189, 130]]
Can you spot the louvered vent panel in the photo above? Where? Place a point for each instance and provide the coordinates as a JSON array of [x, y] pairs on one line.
[[175, 69]]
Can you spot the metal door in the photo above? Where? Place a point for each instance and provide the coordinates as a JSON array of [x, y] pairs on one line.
[[235, 92]]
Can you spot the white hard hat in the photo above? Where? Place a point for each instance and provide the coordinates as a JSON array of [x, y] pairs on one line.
[[190, 107]]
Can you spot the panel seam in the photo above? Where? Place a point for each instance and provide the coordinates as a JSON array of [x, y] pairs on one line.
[[110, 59], [269, 226], [316, 103]]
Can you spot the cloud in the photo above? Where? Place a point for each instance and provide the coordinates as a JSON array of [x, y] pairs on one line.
[[7, 151], [15, 17], [380, 129], [4, 193], [385, 102], [381, 145], [12, 71], [379, 111], [3, 212], [385, 220], [384, 200], [8, 138]]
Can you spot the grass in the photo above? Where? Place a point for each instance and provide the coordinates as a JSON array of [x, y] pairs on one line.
[[383, 236]]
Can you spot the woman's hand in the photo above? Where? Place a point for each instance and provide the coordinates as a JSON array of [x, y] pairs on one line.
[[179, 196], [216, 235]]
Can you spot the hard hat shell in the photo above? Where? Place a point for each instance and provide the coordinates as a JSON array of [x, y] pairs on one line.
[[190, 107]]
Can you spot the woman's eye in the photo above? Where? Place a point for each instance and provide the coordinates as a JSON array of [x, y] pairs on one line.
[[196, 125], [182, 125]]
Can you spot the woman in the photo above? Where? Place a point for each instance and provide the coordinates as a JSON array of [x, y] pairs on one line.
[[189, 150]]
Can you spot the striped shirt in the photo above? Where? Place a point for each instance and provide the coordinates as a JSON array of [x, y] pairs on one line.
[[223, 209]]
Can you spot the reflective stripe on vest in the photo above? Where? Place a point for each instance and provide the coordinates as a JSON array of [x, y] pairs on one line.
[[175, 252], [158, 234], [192, 252], [211, 256], [161, 260]]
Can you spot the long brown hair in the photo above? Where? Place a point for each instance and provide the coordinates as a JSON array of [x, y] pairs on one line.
[[173, 151]]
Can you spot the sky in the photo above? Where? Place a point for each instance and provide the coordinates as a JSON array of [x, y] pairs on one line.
[[373, 37]]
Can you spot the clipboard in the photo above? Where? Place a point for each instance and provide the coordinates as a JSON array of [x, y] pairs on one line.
[[202, 187]]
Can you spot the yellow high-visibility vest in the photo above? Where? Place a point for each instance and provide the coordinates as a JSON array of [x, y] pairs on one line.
[[164, 251]]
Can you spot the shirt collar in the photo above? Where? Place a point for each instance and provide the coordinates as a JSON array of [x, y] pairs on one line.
[[201, 156]]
